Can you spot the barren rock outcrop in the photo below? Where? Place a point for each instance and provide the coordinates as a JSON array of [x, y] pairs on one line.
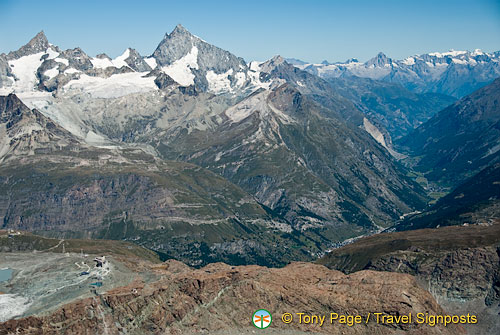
[[221, 299]]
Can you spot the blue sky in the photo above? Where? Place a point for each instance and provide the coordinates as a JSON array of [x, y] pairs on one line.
[[257, 30]]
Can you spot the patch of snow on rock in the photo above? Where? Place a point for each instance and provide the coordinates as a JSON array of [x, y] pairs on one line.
[[71, 70], [180, 70], [51, 53], [62, 60], [51, 73], [219, 83], [255, 66]]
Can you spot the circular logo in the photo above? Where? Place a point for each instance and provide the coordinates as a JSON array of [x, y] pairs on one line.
[[262, 319]]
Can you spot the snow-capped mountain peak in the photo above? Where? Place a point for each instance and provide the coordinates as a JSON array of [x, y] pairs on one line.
[[174, 46], [189, 60], [62, 84], [269, 65], [180, 56], [380, 60]]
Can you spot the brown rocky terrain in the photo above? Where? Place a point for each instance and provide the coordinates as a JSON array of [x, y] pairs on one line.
[[459, 265], [221, 299]]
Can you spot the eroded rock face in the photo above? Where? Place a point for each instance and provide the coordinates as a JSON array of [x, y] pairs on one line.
[[466, 274], [136, 62], [459, 266], [221, 299], [454, 263], [37, 44], [5, 70]]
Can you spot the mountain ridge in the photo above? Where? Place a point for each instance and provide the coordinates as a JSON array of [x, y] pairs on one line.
[[460, 140], [454, 73], [55, 184], [315, 168]]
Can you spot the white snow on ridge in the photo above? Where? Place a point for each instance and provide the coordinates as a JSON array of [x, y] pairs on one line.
[[51, 53], [255, 80], [255, 66], [118, 62], [436, 65], [409, 61], [71, 70], [101, 63], [301, 66], [372, 73], [477, 52], [180, 70], [240, 79], [117, 85], [331, 70], [452, 53]]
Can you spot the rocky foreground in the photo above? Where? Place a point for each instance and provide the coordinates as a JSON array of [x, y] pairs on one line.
[[221, 299], [459, 265]]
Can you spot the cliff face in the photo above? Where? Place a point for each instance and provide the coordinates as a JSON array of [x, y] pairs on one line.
[[460, 266], [66, 199], [221, 299], [461, 280], [466, 274], [460, 263]]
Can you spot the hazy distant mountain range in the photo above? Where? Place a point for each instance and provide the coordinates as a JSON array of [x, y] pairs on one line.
[[454, 73]]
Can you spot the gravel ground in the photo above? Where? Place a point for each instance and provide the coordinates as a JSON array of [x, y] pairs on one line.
[[41, 282]]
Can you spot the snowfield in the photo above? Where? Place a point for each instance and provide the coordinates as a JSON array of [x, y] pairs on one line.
[[117, 85]]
